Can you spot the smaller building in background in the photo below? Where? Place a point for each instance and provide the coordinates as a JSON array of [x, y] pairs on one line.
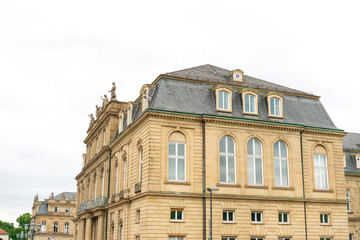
[[3, 235], [54, 216]]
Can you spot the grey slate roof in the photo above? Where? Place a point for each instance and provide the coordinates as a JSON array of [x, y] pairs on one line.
[[68, 195], [198, 98], [206, 73], [351, 142], [43, 209]]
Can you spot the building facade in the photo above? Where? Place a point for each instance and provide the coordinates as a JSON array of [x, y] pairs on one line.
[[3, 235], [54, 215], [352, 177], [273, 152]]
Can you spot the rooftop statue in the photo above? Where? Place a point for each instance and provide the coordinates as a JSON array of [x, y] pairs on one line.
[[92, 120], [98, 111], [36, 198], [51, 195], [105, 102], [113, 91]]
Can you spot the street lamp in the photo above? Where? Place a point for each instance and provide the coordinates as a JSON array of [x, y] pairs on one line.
[[210, 221], [28, 234], [22, 236]]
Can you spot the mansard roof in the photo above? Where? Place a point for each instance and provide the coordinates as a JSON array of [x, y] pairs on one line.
[[68, 195], [206, 73], [352, 142]]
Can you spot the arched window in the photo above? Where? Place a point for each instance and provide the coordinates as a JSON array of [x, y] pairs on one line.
[[281, 166], [320, 168], [254, 156], [116, 177], [102, 182], [177, 157], [125, 172], [140, 163], [95, 185], [227, 160]]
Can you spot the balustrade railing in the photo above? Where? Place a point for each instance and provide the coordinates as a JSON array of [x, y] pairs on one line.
[[90, 204]]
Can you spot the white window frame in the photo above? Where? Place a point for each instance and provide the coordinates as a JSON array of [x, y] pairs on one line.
[[253, 157], [323, 219], [318, 169], [228, 238], [256, 217], [347, 192], [176, 156], [227, 212], [57, 209], [43, 226], [276, 105], [227, 154], [281, 219], [67, 210], [56, 227], [176, 210], [284, 238], [138, 216], [248, 103], [66, 228], [176, 238], [281, 159], [224, 97], [357, 161]]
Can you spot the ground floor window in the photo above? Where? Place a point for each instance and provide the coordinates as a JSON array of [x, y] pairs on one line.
[[56, 227], [286, 238], [176, 238], [228, 238], [66, 227], [257, 238]]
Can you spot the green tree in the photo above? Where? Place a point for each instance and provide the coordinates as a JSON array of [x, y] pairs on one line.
[[21, 220], [24, 219], [6, 226]]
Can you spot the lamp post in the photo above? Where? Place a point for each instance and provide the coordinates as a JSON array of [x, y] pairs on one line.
[[27, 234], [210, 220]]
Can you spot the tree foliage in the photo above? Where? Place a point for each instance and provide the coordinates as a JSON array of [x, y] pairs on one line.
[[9, 227]]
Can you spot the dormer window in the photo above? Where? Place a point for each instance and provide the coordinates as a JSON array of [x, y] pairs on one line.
[[144, 101], [129, 114], [275, 104], [344, 159], [223, 98], [144, 96], [250, 101], [357, 157], [236, 75], [121, 121]]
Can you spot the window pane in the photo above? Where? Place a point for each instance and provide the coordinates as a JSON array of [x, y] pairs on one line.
[[247, 103], [276, 149], [322, 161], [317, 178], [231, 169], [171, 168], [283, 150], [284, 173], [250, 147], [280, 217], [258, 171], [272, 106], [172, 215], [171, 148], [181, 149], [253, 217], [221, 99], [257, 147], [230, 145], [224, 216], [231, 216], [181, 169], [277, 172], [226, 100], [252, 103], [251, 170], [179, 215], [285, 216], [316, 160], [222, 168], [258, 216], [223, 144]]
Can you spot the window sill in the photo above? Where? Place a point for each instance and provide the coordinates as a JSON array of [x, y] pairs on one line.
[[177, 221], [284, 223], [257, 186], [252, 114], [283, 188], [350, 212], [177, 183], [258, 223], [325, 224], [274, 116], [228, 185], [223, 110], [228, 222], [323, 190]]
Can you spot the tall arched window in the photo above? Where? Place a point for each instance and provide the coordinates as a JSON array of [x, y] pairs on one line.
[[102, 181], [254, 156], [227, 160], [140, 163], [320, 168], [116, 177], [281, 165], [95, 185], [177, 157], [125, 171]]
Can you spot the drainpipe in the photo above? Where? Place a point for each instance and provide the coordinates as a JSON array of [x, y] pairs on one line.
[[108, 196], [303, 181], [204, 180]]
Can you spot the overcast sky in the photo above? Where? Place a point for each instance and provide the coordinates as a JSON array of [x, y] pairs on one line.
[[58, 57]]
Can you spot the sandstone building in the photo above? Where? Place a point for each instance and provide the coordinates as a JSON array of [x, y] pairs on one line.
[[55, 216], [273, 152]]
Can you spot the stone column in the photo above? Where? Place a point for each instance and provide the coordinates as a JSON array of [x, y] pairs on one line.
[[82, 229], [88, 228], [100, 228]]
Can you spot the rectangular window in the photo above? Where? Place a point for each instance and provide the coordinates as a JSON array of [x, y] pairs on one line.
[[326, 238], [137, 216], [256, 217], [57, 209], [256, 238], [66, 227], [97, 145], [249, 103], [228, 216], [284, 218], [67, 210], [125, 173], [344, 159], [176, 214], [176, 157], [140, 163], [56, 227], [223, 100], [285, 238], [351, 236], [275, 106], [104, 137], [137, 237], [43, 227], [321, 172], [325, 219], [228, 238], [176, 238], [348, 199]]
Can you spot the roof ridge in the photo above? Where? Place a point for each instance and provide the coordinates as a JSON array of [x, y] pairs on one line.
[[204, 65]]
